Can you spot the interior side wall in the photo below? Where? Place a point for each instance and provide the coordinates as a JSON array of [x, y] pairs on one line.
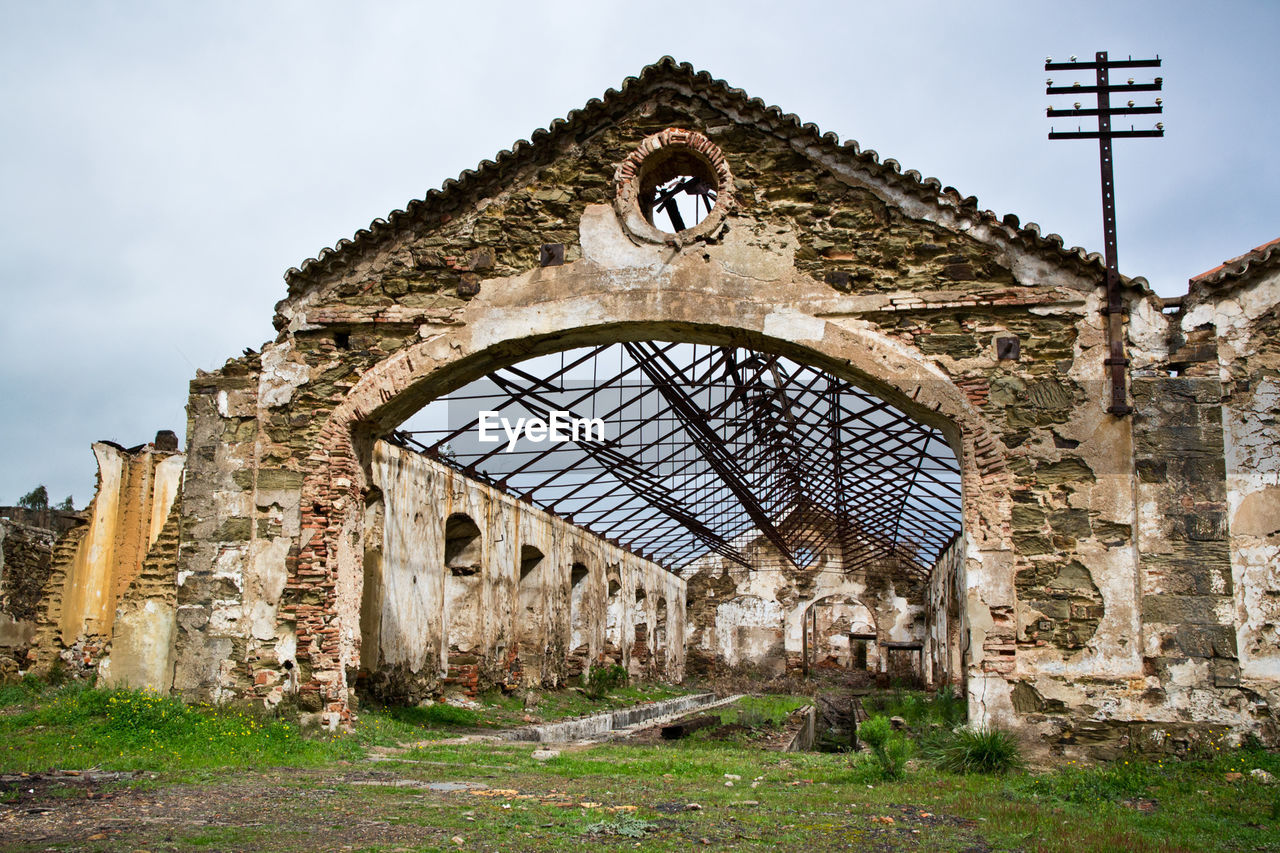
[[441, 627], [1248, 326]]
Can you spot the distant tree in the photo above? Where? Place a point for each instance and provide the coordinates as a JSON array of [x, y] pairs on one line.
[[68, 504], [37, 498]]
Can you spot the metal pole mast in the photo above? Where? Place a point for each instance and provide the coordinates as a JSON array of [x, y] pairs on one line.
[[1116, 358]]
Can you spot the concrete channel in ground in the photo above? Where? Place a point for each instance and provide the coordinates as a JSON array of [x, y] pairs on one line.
[[619, 723]]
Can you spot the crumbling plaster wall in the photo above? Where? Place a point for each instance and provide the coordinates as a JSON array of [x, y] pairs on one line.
[[946, 639], [752, 618], [95, 564], [835, 619], [1244, 316], [509, 645]]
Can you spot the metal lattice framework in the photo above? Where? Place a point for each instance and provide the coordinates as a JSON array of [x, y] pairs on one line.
[[710, 449]]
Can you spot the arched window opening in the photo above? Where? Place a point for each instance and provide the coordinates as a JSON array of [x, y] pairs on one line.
[[530, 559], [463, 554], [530, 646], [461, 545], [739, 464], [579, 634], [660, 650], [613, 634]]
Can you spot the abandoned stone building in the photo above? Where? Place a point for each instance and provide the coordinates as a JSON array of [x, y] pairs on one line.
[[914, 465]]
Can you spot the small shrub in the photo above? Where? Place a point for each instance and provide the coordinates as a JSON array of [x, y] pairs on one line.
[[599, 680], [891, 750], [875, 731], [58, 673], [980, 750]]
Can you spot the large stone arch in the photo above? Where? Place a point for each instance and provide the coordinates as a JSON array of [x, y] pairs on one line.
[[586, 302]]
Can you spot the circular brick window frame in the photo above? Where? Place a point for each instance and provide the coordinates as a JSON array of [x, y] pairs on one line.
[[659, 158]]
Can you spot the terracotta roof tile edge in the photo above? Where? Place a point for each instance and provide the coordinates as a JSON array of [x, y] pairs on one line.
[[1238, 266]]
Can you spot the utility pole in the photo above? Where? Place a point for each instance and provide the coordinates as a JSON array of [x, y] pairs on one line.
[[1116, 359]]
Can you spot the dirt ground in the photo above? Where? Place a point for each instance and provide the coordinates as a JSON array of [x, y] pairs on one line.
[[357, 808]]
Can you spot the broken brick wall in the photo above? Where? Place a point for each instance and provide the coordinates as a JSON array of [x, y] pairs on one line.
[[26, 554]]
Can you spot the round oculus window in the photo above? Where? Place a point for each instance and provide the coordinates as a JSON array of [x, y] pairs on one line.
[[674, 187]]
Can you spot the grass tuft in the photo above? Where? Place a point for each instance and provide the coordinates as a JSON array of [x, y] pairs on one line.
[[980, 750]]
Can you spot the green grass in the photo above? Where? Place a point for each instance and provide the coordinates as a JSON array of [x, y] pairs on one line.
[[918, 709], [811, 801], [77, 726], [757, 711], [436, 714]]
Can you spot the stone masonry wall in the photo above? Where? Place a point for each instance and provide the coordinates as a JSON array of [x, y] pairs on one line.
[[1188, 631], [827, 255], [342, 323]]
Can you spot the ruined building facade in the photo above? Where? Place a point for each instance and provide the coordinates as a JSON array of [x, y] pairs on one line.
[[1116, 576]]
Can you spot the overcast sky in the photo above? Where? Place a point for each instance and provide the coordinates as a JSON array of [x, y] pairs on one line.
[[164, 163]]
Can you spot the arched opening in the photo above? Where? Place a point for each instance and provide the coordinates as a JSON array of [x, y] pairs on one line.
[[904, 387], [839, 635], [579, 622], [530, 614], [613, 633], [641, 651], [660, 634], [768, 480], [463, 607]]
